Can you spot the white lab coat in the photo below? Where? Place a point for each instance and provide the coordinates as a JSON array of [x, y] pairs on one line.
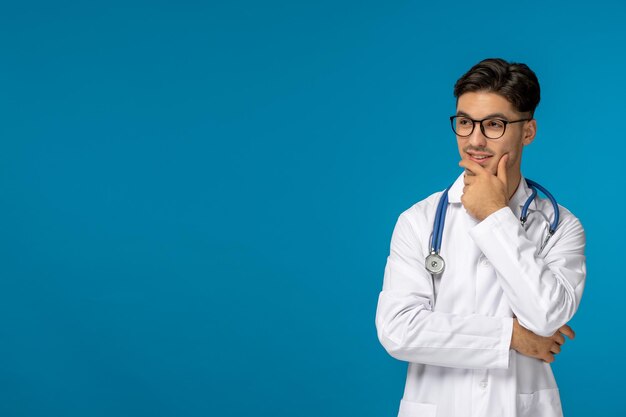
[[457, 345]]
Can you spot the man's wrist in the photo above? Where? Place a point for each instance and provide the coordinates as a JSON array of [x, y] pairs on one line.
[[493, 209]]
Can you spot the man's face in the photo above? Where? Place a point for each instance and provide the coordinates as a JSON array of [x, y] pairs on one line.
[[487, 152]]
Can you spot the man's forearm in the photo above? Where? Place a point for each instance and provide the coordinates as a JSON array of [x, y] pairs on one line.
[[411, 332]]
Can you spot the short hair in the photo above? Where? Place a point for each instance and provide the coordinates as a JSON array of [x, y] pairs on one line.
[[514, 81]]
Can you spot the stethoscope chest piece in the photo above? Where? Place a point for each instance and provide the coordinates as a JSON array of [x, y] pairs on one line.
[[435, 264]]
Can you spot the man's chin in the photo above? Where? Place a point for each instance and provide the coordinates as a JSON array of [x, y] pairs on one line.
[[490, 169]]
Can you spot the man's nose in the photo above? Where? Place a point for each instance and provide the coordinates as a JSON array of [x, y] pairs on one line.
[[477, 138]]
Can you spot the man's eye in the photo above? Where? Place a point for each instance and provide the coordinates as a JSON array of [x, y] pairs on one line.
[[495, 124], [464, 122]]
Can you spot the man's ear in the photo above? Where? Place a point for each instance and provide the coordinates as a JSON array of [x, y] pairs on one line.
[[530, 130]]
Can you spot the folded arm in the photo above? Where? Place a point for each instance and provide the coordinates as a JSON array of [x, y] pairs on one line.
[[411, 331], [544, 291]]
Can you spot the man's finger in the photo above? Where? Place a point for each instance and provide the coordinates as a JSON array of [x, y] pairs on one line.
[[474, 168], [469, 179], [556, 348], [558, 338], [567, 331], [502, 168]]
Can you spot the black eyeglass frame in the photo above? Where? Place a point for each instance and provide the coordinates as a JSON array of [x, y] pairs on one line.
[[482, 128]]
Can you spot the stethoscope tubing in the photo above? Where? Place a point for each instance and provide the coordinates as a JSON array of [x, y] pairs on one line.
[[536, 186], [440, 219]]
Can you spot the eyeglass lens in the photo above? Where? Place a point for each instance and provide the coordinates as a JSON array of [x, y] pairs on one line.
[[492, 128]]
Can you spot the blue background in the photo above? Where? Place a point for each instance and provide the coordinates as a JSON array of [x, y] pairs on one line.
[[197, 198]]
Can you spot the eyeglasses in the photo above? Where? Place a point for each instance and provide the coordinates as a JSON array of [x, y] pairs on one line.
[[492, 128]]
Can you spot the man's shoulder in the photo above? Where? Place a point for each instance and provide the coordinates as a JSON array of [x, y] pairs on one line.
[[567, 219], [423, 210]]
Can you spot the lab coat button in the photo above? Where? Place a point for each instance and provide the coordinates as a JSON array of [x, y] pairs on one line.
[[483, 384], [484, 262]]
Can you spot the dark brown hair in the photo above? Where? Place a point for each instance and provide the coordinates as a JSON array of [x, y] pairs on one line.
[[513, 81]]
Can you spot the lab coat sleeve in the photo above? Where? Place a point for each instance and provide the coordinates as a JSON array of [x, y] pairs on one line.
[[411, 331], [544, 290]]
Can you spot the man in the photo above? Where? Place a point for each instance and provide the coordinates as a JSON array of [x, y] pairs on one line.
[[480, 336]]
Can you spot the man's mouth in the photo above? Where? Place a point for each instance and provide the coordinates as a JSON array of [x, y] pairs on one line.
[[481, 158]]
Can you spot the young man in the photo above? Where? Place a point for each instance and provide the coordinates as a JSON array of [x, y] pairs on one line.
[[480, 335]]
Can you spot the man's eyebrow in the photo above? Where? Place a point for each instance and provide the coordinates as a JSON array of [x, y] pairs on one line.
[[489, 116]]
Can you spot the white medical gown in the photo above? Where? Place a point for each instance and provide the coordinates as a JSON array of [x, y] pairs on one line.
[[457, 346]]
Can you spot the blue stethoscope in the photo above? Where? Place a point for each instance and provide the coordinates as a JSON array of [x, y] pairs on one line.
[[435, 263]]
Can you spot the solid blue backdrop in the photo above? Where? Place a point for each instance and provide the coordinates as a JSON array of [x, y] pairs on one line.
[[197, 197]]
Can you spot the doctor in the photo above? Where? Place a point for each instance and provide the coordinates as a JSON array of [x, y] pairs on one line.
[[479, 337]]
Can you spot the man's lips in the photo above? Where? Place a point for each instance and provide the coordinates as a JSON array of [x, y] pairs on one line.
[[479, 157]]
